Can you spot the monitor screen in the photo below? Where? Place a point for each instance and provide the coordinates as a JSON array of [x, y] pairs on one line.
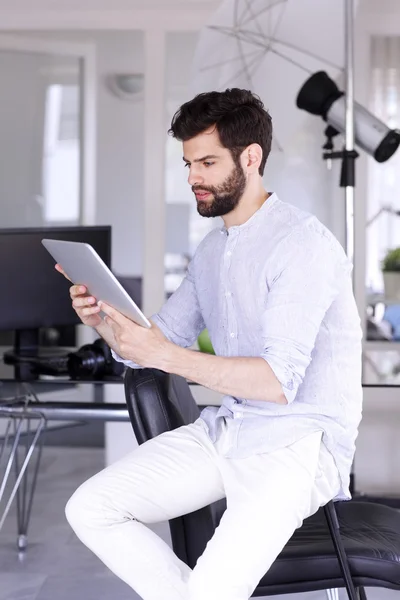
[[33, 294]]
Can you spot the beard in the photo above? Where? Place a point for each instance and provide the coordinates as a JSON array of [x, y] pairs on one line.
[[226, 196]]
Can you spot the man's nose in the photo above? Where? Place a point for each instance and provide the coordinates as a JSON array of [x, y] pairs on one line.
[[194, 177]]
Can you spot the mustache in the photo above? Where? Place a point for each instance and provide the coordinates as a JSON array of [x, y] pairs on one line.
[[197, 188]]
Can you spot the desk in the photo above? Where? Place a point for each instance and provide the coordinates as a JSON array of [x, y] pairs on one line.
[[26, 418]]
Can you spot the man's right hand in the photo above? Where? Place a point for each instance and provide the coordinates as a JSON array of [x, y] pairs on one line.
[[84, 305]]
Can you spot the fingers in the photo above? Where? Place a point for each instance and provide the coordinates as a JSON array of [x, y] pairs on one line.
[[86, 312], [74, 290], [79, 301], [112, 314], [61, 270], [77, 290], [85, 305]]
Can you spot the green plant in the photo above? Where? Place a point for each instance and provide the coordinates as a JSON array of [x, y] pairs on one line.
[[391, 262], [204, 342]]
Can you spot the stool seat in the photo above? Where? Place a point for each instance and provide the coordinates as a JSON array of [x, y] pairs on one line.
[[371, 536]]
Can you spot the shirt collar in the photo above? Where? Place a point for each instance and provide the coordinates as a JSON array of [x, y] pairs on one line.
[[256, 217]]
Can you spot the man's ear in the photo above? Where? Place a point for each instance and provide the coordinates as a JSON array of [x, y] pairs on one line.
[[253, 156]]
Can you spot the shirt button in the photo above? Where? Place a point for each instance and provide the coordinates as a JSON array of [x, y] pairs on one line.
[[228, 294], [233, 335], [229, 253]]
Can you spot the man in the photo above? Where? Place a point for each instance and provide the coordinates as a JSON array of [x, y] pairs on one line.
[[273, 287]]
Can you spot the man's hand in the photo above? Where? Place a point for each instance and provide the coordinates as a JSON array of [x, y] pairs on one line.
[[83, 303], [145, 347], [246, 377]]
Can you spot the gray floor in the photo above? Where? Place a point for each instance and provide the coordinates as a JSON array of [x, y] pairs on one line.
[[56, 565]]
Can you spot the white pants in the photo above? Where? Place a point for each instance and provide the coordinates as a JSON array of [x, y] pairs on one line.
[[268, 496]]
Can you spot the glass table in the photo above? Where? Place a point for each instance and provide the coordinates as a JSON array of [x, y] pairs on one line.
[[27, 409]]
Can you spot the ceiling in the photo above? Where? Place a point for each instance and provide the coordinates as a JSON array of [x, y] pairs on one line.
[[55, 5]]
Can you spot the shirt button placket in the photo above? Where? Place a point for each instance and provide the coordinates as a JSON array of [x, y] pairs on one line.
[[231, 331]]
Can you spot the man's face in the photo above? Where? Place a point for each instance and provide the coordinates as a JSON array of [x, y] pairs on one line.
[[217, 181]]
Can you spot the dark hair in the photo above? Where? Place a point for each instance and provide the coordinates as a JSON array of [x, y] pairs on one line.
[[239, 116]]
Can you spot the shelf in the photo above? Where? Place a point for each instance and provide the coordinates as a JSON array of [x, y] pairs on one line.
[[382, 346]]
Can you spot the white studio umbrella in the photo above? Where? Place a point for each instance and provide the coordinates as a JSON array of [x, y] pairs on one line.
[[271, 47]]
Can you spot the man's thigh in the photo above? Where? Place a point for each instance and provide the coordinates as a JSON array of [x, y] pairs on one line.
[[170, 475], [268, 496]]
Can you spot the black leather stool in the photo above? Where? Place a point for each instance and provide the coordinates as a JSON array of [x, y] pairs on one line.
[[346, 544]]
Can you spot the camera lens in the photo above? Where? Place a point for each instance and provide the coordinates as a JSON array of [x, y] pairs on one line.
[[86, 362]]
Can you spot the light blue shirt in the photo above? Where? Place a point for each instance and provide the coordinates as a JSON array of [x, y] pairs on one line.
[[278, 287]]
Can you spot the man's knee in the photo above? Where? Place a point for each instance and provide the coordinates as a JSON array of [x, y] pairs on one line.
[[89, 507], [76, 509]]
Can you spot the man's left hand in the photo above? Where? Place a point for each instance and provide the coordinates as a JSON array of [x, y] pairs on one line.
[[144, 346]]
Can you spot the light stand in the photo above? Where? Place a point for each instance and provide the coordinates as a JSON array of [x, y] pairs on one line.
[[325, 98], [348, 174], [349, 155]]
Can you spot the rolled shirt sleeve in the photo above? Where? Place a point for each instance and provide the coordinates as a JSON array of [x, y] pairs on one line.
[[180, 317], [309, 271]]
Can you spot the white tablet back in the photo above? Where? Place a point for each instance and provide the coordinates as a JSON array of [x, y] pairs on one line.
[[84, 266]]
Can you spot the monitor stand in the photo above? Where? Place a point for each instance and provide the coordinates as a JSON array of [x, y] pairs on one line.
[[30, 359], [26, 345]]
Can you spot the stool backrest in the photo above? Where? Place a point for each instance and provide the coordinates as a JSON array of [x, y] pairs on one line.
[[159, 402]]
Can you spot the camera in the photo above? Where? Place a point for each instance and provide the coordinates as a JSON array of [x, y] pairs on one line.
[[90, 362], [93, 361]]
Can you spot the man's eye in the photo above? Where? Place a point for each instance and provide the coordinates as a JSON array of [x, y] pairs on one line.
[[187, 165], [208, 164]]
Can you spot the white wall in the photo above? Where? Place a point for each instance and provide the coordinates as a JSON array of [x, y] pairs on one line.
[[300, 176], [120, 139], [120, 150]]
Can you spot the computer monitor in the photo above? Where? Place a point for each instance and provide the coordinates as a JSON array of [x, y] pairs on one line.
[[33, 294]]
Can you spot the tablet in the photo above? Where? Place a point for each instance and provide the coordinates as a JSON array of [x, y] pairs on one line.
[[84, 266]]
